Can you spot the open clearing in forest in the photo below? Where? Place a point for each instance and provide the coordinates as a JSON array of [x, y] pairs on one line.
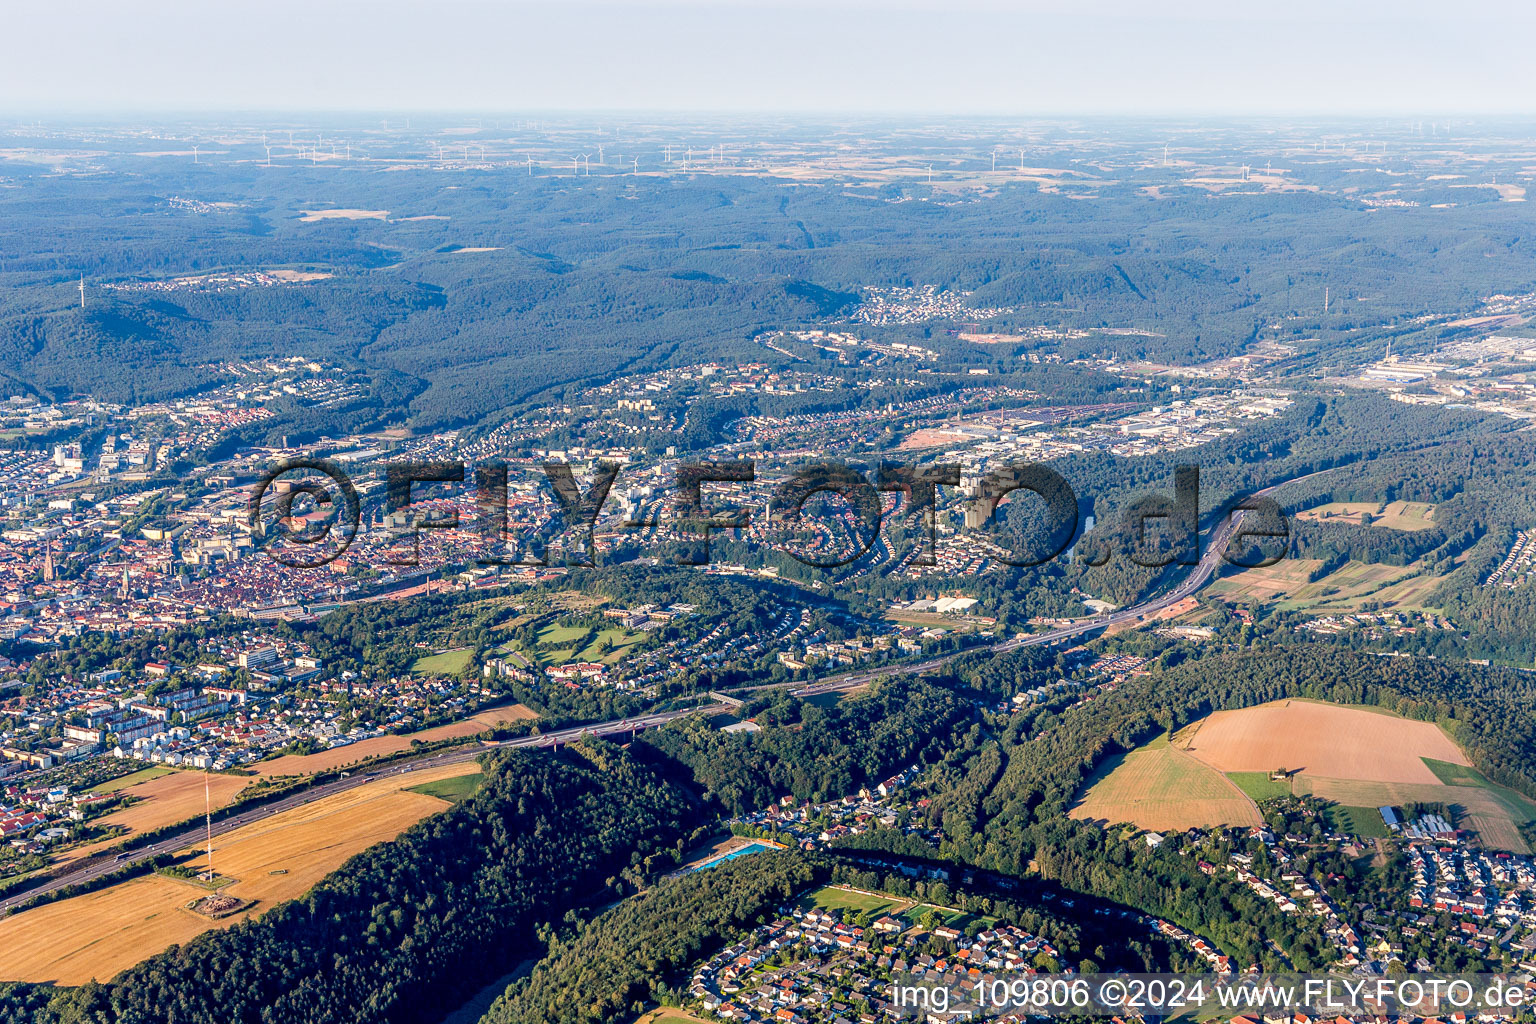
[[1285, 586], [1396, 515], [276, 859], [312, 216]]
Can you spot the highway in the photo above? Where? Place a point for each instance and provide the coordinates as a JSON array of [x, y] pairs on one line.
[[194, 835]]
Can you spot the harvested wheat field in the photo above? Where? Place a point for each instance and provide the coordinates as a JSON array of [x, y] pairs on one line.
[[1158, 786], [172, 798], [338, 757], [100, 934], [1317, 739]]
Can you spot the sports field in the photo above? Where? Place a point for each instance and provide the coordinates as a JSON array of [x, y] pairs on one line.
[[282, 857], [337, 757], [1158, 786], [835, 897]]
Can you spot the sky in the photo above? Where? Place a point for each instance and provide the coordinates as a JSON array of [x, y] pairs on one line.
[[1026, 57]]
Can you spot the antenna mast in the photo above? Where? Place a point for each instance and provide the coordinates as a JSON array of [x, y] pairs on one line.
[[208, 817]]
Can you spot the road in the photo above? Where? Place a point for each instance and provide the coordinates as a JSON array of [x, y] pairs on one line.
[[1215, 545]]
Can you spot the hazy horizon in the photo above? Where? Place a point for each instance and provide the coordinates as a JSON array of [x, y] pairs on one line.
[[849, 57]]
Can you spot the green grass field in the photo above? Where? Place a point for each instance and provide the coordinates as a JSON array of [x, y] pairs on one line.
[[444, 663], [1454, 774], [1364, 822], [832, 898], [454, 790], [619, 639], [561, 634], [1520, 807], [952, 918], [1259, 786], [142, 775]]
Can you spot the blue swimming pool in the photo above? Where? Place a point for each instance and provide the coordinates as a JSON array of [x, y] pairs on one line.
[[742, 852]]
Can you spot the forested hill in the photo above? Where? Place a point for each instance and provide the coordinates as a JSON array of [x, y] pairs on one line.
[[576, 279]]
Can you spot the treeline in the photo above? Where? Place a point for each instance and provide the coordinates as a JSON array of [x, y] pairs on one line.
[[622, 961], [410, 927]]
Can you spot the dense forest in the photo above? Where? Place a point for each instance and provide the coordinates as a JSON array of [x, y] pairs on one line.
[[583, 279], [812, 752]]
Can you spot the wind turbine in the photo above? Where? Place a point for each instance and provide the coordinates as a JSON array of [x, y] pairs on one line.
[[1165, 154], [575, 160], [635, 161], [269, 156], [930, 174], [194, 154], [994, 160], [600, 158], [586, 163], [530, 167]]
